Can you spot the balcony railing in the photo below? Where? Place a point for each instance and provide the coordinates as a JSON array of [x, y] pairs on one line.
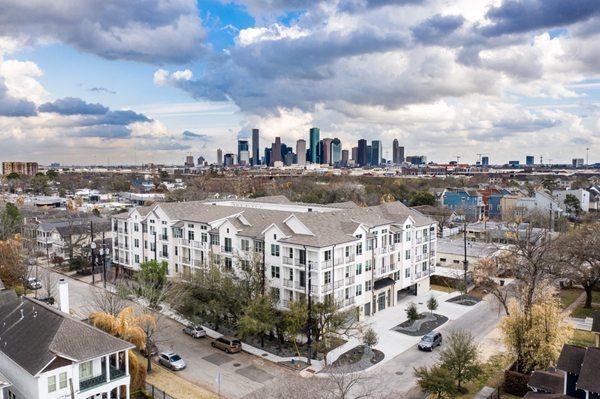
[[286, 303], [349, 301], [326, 287], [350, 258], [349, 280], [98, 380], [339, 261], [288, 283], [186, 260], [287, 261], [226, 249], [338, 284], [326, 263], [198, 263], [299, 285]]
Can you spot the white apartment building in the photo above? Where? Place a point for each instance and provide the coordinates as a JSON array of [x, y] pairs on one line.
[[582, 195], [47, 354], [366, 258]]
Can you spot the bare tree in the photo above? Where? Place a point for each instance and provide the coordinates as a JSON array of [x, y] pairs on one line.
[[487, 274], [48, 285], [109, 302]]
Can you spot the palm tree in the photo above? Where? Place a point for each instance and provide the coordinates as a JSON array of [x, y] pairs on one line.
[[127, 326]]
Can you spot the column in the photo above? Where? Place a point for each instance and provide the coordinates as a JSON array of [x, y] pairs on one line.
[[119, 392], [107, 365], [126, 362], [127, 391]]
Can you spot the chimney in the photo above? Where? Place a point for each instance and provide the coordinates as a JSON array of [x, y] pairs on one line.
[[63, 295]]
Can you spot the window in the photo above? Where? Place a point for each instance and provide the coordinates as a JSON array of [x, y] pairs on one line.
[[190, 235], [52, 383], [407, 273], [327, 276], [442, 259], [368, 285], [275, 271], [408, 236], [274, 250], [214, 239], [369, 244], [136, 242], [136, 227], [62, 380], [368, 265], [359, 289], [85, 370], [359, 248], [327, 255], [396, 276], [456, 261], [137, 258], [245, 244], [348, 271], [347, 252], [358, 269], [228, 264], [259, 246], [407, 254]]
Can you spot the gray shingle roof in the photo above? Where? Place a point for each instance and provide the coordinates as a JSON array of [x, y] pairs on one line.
[[547, 381], [596, 322], [570, 359], [34, 334], [589, 378]]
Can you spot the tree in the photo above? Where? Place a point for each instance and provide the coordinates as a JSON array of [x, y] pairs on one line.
[[432, 304], [460, 357], [126, 326], [422, 198], [572, 204], [152, 282], [258, 318], [370, 338], [437, 381], [412, 313], [485, 274], [535, 338], [13, 176], [39, 184], [295, 321], [579, 258], [10, 221], [13, 270], [51, 174]]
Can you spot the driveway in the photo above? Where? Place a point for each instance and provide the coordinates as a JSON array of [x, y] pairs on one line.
[[393, 343]]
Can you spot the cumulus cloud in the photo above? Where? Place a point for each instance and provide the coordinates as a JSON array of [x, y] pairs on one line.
[[155, 31], [73, 106], [11, 106], [187, 135]]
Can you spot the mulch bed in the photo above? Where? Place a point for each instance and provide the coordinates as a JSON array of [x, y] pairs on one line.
[[426, 326], [465, 300], [354, 359], [297, 365]]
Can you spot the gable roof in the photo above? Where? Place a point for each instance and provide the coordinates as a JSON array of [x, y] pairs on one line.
[[34, 335], [547, 381], [589, 379], [596, 322], [570, 359]]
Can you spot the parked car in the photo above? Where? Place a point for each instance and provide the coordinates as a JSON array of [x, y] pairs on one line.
[[195, 331], [430, 341], [227, 344], [150, 348], [171, 360], [47, 299], [33, 283]]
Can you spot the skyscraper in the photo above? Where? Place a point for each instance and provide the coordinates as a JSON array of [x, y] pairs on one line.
[[400, 155], [355, 154], [243, 155], [255, 147], [377, 152], [220, 157], [335, 152], [301, 152], [276, 151], [361, 156], [326, 151], [315, 134], [395, 152], [369, 155], [345, 156], [485, 161], [189, 161], [529, 160]]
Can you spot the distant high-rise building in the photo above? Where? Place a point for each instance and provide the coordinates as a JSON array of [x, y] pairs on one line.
[[336, 152], [400, 155], [354, 154], [189, 161], [200, 161], [315, 134], [229, 159], [345, 156], [395, 145], [485, 161], [288, 159], [276, 151], [369, 155], [416, 159], [301, 152], [255, 147], [220, 157], [21, 168], [267, 160], [514, 163], [529, 160], [362, 149], [243, 153], [377, 152], [326, 151], [577, 162]]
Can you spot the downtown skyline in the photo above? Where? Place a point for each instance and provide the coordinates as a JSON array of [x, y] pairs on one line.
[[79, 85]]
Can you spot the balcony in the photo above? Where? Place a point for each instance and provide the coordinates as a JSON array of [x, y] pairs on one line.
[[186, 260], [350, 258], [339, 261], [326, 263], [163, 254], [226, 249], [163, 237], [198, 263], [349, 301], [299, 262], [287, 261], [338, 284], [326, 287], [288, 283], [91, 383], [350, 280], [299, 285], [286, 303]]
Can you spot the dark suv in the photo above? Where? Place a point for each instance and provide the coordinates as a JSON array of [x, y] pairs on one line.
[[227, 344], [430, 341]]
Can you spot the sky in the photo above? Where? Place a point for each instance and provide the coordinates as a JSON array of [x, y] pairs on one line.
[[130, 81]]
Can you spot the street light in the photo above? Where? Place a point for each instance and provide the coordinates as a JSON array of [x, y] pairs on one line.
[[92, 247]]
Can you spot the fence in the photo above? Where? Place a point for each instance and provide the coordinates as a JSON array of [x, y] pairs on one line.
[[157, 393]]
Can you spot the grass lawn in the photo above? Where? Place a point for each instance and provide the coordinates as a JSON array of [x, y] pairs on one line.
[[568, 296], [583, 338], [582, 312], [442, 288]]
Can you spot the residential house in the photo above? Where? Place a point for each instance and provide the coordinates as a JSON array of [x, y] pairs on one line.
[[468, 202], [362, 258], [47, 354], [582, 195]]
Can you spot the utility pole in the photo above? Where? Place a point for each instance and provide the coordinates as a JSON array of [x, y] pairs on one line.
[[587, 156], [465, 261], [309, 321], [103, 260], [155, 247], [92, 252]]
